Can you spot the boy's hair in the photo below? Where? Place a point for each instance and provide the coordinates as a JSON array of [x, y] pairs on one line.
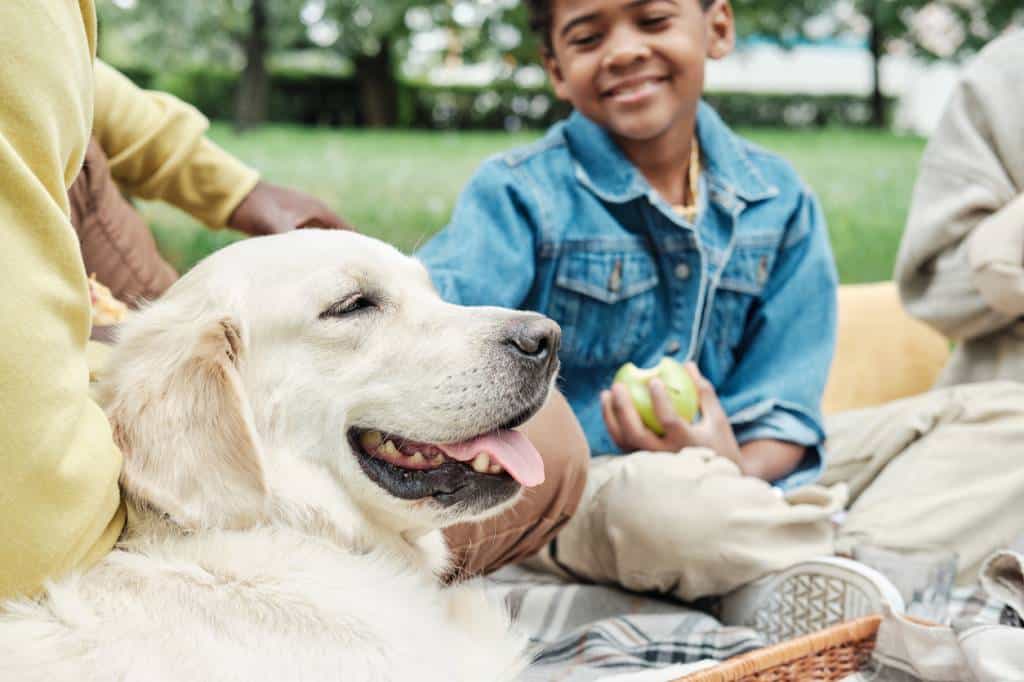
[[540, 19]]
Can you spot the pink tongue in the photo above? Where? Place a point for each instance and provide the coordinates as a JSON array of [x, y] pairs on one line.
[[510, 449]]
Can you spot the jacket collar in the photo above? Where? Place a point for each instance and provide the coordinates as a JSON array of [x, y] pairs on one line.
[[604, 169]]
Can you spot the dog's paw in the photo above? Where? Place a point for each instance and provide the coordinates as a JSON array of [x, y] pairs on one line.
[[497, 647]]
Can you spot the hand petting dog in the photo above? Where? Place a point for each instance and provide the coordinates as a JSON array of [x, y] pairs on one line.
[[273, 209]]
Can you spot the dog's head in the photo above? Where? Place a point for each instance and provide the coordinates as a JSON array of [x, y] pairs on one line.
[[323, 367]]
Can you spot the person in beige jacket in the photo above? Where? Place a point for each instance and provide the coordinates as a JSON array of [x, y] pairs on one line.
[[961, 262]]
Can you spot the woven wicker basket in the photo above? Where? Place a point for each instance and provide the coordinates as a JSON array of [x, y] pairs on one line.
[[826, 656]]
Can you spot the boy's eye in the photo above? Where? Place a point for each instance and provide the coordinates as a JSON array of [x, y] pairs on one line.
[[585, 39], [654, 22]]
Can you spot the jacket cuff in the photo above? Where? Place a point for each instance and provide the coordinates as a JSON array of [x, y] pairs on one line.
[[995, 252], [772, 419], [226, 181]]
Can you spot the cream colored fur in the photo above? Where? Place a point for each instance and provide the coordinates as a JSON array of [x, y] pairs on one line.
[[257, 549]]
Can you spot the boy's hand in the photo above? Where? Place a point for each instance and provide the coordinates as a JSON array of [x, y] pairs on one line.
[[272, 209], [629, 433]]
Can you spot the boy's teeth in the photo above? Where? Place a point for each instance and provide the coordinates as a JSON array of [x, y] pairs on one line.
[[630, 89], [481, 463]]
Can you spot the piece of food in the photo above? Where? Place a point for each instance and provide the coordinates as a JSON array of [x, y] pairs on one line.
[[106, 310], [680, 388]]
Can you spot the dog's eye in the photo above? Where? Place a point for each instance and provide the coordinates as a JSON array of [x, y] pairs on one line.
[[347, 306]]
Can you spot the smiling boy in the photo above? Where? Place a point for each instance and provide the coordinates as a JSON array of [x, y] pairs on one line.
[[636, 69], [647, 228]]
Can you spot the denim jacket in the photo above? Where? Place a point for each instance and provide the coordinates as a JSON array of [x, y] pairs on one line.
[[570, 228]]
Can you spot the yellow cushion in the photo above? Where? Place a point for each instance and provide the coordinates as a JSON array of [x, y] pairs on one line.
[[882, 353]]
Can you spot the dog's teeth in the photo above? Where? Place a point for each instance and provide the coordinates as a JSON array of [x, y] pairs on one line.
[[418, 458], [481, 463], [370, 439], [437, 460], [495, 469], [389, 448]]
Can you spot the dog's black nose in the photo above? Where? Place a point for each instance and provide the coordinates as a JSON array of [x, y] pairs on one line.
[[535, 338]]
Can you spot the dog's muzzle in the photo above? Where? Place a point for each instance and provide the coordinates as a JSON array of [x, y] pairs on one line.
[[478, 474], [488, 469]]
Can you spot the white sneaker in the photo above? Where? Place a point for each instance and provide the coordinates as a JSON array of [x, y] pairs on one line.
[[808, 597]]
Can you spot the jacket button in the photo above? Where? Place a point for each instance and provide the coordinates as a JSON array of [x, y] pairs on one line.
[[682, 271], [673, 347], [615, 279]]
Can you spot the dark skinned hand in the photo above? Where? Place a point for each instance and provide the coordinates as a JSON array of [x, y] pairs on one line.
[[712, 430], [272, 209]]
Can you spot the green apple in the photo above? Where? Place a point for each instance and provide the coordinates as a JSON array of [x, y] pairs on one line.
[[678, 384]]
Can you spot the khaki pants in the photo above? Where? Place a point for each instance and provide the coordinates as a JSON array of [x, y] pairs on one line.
[[945, 468]]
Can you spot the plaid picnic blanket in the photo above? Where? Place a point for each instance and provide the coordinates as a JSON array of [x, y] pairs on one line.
[[584, 633]]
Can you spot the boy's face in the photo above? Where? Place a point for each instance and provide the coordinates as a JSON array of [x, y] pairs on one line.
[[636, 67]]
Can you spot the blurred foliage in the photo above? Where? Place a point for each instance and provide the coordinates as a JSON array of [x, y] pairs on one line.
[[380, 42], [298, 96], [931, 28], [209, 31], [155, 33]]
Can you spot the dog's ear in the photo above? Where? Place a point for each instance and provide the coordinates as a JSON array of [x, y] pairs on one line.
[[175, 399]]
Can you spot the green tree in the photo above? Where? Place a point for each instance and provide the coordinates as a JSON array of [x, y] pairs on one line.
[[240, 34], [376, 36], [929, 28], [370, 33], [251, 98], [244, 34]]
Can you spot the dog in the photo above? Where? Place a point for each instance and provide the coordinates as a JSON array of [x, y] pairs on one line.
[[299, 415]]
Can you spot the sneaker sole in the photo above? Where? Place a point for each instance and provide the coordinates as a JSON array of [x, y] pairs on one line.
[[809, 597]]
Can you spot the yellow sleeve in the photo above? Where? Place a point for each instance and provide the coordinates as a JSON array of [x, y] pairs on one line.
[[59, 503], [158, 150]]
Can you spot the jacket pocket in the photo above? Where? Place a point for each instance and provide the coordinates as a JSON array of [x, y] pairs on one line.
[[739, 290], [605, 302]]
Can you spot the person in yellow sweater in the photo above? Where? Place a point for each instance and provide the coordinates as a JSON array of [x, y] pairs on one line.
[[58, 463], [152, 145], [60, 508]]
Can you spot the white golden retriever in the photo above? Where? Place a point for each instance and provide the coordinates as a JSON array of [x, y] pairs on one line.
[[299, 415]]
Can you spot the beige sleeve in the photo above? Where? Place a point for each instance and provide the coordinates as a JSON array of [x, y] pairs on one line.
[[59, 503], [158, 150], [964, 239], [995, 253]]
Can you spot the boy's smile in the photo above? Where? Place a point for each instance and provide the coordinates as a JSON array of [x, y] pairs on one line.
[[636, 67], [634, 89]]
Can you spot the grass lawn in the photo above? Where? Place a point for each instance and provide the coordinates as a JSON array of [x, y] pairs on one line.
[[401, 185]]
